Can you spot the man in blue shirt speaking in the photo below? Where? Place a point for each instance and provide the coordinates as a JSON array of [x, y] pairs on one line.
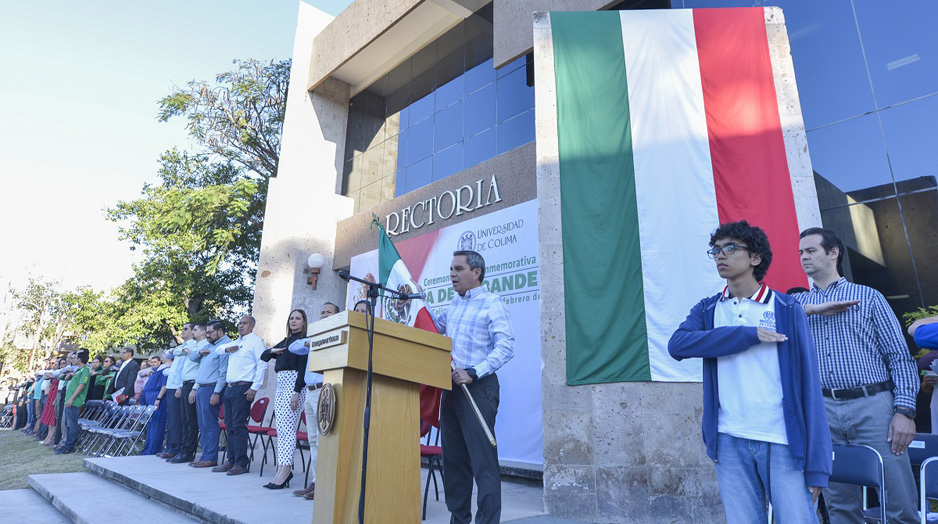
[[483, 342], [764, 423]]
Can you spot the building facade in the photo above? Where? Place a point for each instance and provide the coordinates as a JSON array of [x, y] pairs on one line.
[[395, 108]]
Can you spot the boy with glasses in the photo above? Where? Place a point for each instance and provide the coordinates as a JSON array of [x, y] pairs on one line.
[[763, 423]]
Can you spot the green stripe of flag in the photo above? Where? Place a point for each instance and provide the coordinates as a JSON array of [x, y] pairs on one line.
[[606, 342]]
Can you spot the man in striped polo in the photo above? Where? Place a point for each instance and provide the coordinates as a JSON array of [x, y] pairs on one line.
[[868, 377]]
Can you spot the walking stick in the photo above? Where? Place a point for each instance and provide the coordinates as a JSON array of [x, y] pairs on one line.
[[475, 409]]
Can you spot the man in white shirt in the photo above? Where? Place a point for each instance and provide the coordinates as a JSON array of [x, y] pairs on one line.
[[764, 422], [245, 376], [173, 397]]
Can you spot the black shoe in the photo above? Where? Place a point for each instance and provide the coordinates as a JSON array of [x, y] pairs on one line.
[[64, 451], [181, 459], [286, 483]]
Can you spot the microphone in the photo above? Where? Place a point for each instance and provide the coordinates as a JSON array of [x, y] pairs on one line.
[[344, 275], [421, 296]]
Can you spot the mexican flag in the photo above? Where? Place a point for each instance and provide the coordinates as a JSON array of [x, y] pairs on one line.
[[667, 124], [393, 274]]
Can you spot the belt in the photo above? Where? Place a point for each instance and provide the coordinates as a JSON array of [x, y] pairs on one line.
[[858, 392], [241, 383], [188, 382], [314, 387], [207, 385]]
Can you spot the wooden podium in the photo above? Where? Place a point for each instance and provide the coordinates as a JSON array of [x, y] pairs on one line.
[[404, 358]]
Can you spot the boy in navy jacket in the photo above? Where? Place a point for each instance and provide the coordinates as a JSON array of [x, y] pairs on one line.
[[764, 422]]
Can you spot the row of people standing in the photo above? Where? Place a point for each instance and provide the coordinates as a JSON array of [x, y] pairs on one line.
[[59, 402]]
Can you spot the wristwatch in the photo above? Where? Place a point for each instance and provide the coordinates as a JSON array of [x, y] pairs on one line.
[[472, 373], [905, 411]]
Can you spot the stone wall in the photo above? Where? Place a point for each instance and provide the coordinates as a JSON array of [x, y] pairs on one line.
[[631, 452]]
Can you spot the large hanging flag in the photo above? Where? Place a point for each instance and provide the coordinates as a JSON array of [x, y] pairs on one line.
[[667, 125], [393, 274]]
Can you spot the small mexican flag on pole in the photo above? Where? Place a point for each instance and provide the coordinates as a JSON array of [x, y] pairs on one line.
[[394, 274]]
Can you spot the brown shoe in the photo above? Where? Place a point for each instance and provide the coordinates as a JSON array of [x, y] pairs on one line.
[[224, 468], [168, 456], [312, 492], [204, 464], [237, 470], [304, 491]]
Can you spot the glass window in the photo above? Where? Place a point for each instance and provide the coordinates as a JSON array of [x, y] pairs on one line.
[[420, 141], [850, 154], [912, 135], [480, 110], [447, 162], [480, 76], [480, 147], [920, 211], [514, 95], [419, 175], [900, 42], [877, 252], [447, 128], [515, 132]]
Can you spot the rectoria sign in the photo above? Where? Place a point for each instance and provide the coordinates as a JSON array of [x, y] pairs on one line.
[[508, 240], [444, 206]]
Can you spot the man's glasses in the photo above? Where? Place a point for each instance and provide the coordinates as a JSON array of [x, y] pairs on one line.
[[727, 249]]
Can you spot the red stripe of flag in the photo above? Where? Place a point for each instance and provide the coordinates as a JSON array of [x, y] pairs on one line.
[[747, 148]]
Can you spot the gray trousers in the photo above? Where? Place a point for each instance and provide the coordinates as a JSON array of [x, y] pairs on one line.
[[467, 454], [865, 421]]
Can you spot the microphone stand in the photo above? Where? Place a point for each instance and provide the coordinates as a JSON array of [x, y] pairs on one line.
[[372, 295]]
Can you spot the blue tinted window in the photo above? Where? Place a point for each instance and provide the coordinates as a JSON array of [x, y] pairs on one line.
[[515, 132], [420, 141], [404, 120], [418, 175], [421, 109], [447, 128], [399, 187], [480, 76], [449, 93], [480, 148], [480, 110], [447, 162], [514, 95], [510, 68]]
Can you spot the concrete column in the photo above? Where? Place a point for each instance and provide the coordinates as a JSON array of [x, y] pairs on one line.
[[302, 205]]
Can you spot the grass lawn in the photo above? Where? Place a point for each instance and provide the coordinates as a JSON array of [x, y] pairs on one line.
[[20, 457]]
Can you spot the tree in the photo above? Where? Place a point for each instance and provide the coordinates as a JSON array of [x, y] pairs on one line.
[[240, 117], [200, 227]]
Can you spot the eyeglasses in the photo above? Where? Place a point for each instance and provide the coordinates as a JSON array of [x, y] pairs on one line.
[[727, 249]]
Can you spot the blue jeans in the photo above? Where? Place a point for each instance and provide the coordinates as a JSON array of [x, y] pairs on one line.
[[747, 470], [71, 424], [30, 415], [208, 422]]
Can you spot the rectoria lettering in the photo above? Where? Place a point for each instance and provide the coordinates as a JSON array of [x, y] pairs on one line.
[[444, 206], [329, 340]]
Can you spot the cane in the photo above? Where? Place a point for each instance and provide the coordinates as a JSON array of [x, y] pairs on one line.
[[475, 409]]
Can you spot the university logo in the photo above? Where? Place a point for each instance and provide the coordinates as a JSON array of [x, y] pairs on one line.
[[768, 321], [467, 242]]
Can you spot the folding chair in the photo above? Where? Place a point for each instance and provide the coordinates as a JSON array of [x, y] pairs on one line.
[[258, 412], [924, 450], [127, 440], [434, 455], [863, 466]]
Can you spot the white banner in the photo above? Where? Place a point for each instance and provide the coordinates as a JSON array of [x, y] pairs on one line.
[[507, 239]]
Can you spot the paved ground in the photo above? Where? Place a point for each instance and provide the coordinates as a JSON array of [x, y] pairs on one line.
[[25, 506]]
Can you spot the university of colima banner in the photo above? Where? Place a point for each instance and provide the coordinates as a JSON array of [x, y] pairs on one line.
[[667, 124], [508, 241]]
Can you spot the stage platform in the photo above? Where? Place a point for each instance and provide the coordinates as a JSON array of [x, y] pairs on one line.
[[151, 486]]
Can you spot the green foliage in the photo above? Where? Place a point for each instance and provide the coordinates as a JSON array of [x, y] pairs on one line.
[[240, 117], [918, 314]]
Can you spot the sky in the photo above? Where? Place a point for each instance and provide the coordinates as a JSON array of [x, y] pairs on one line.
[[79, 97]]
